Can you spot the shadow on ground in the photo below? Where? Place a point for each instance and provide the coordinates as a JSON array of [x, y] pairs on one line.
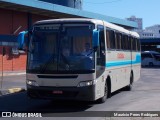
[[21, 103]]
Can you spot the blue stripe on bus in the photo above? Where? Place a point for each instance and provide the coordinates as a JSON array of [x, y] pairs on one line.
[[124, 62]]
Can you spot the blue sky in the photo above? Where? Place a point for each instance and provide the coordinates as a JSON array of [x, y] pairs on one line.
[[148, 10]]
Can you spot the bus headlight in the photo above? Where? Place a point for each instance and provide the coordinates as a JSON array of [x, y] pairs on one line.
[[86, 83], [32, 82]]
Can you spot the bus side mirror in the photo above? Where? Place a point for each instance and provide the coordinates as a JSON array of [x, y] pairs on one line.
[[21, 39], [95, 37]]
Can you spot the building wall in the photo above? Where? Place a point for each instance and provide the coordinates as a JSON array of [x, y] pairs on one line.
[[69, 3], [146, 34], [11, 23], [12, 20], [150, 32], [139, 21], [154, 29], [11, 62]]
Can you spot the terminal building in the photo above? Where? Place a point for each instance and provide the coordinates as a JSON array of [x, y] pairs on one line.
[[20, 15], [149, 37], [150, 44]]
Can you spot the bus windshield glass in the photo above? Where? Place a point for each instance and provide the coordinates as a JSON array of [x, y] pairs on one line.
[[61, 48]]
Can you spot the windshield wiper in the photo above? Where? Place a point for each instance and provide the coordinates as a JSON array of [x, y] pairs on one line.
[[64, 59], [51, 59]]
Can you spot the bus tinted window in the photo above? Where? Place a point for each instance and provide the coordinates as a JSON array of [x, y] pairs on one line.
[[122, 43], [131, 40], [138, 45], [108, 39], [125, 42], [102, 45], [129, 43], [112, 39], [133, 44], [118, 39]]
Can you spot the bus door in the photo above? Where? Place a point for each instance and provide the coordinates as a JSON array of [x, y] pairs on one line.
[[100, 66]]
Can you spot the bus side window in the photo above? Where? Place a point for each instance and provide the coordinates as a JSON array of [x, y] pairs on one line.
[[138, 44], [125, 42], [118, 39], [133, 44], [112, 39], [101, 48], [122, 42], [108, 39], [129, 43]]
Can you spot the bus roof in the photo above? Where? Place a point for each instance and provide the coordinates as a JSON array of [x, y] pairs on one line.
[[95, 21], [121, 29], [70, 20]]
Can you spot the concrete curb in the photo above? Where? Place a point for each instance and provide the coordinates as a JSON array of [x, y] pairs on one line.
[[15, 90], [11, 91], [13, 74]]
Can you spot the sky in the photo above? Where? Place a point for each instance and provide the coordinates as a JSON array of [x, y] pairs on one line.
[[148, 10]]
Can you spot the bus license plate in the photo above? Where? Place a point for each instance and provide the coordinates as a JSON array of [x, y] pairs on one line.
[[57, 92]]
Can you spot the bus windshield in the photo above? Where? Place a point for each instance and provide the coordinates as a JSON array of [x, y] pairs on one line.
[[61, 48]]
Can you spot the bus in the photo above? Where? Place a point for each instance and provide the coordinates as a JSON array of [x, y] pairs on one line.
[[80, 59]]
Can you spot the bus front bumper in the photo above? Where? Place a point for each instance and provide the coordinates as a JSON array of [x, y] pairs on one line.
[[62, 93]]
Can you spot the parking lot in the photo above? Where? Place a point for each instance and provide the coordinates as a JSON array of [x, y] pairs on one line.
[[145, 96]]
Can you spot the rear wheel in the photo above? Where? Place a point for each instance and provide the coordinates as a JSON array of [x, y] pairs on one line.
[[151, 64], [129, 87]]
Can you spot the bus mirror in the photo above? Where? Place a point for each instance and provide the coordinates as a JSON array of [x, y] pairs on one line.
[[21, 39], [95, 38]]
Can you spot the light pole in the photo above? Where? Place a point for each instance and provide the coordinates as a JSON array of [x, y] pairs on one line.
[[2, 66]]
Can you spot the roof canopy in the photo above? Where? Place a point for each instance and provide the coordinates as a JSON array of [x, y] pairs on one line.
[[58, 11]]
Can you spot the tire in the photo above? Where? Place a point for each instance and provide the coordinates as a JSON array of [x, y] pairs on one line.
[[129, 87], [106, 93], [151, 64]]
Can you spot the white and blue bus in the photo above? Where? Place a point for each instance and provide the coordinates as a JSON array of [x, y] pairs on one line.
[[80, 59]]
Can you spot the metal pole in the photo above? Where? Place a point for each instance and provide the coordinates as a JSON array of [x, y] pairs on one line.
[[2, 68]]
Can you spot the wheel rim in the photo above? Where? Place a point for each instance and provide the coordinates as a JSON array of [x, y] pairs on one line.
[[105, 91], [150, 64]]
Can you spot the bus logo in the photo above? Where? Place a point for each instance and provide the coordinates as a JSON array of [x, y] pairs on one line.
[[120, 56]]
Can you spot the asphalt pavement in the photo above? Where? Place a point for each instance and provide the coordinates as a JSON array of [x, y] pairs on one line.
[[12, 81], [145, 96]]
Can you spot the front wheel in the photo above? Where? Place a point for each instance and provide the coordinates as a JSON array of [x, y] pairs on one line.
[[106, 91]]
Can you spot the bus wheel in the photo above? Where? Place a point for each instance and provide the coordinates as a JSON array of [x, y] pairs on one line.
[[106, 91], [151, 64], [129, 87]]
